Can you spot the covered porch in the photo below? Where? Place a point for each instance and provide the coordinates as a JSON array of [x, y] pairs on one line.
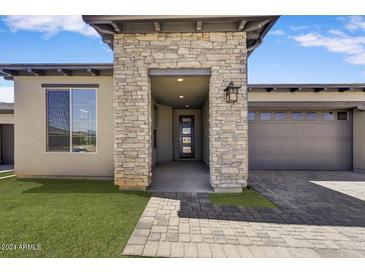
[[180, 130], [181, 176]]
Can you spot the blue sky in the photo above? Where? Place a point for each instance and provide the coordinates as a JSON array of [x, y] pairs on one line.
[[298, 49]]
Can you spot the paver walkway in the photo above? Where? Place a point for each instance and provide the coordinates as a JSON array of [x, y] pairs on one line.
[[311, 221]]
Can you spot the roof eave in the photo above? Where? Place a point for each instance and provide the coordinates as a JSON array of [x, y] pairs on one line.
[[255, 26], [9, 71]]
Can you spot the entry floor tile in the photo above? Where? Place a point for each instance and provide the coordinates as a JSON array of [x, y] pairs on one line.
[[181, 176]]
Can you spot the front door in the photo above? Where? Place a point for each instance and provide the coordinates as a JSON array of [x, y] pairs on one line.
[[186, 136]]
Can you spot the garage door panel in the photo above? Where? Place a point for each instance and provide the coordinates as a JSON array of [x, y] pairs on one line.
[[300, 145]]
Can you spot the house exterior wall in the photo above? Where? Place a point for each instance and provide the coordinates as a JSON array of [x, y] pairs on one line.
[[165, 134], [205, 132], [134, 54], [31, 158], [358, 140], [7, 118]]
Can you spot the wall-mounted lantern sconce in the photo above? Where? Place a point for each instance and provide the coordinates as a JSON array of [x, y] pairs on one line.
[[231, 93]]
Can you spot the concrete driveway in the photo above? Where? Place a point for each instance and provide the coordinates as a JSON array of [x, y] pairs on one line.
[[319, 214]]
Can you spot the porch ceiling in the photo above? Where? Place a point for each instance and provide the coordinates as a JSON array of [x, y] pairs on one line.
[[166, 91]]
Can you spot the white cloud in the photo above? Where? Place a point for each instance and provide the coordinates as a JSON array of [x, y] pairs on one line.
[[277, 32], [355, 23], [49, 25], [7, 94], [298, 28], [338, 41]]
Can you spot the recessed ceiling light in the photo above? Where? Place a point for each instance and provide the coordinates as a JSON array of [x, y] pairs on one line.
[[187, 106], [181, 96], [179, 79]]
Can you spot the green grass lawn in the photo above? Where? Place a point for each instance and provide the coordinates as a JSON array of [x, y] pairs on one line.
[[249, 197], [8, 173], [67, 218]]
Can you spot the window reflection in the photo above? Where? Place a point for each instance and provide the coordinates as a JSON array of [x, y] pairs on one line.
[[58, 120], [83, 120]]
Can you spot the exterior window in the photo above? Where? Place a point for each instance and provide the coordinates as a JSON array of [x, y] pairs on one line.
[[58, 120], [251, 116], [296, 116], [310, 116], [265, 116], [342, 115], [328, 116], [71, 120], [83, 120], [280, 116]]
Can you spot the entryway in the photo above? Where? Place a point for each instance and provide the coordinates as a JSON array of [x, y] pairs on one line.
[[180, 130], [181, 176]]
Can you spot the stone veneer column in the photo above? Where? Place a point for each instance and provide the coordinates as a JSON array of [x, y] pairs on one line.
[[225, 54]]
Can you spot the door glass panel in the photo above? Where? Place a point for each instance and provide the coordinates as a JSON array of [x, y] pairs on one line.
[[186, 121], [186, 140], [186, 149], [186, 130]]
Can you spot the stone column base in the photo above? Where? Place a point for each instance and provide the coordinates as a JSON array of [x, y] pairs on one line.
[[132, 187], [230, 188], [124, 185]]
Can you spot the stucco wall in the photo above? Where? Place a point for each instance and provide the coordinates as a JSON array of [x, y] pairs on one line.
[[6, 118], [31, 158], [164, 134], [359, 140], [205, 132], [197, 131]]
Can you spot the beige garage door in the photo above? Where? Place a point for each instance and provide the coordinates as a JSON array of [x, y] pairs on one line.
[[300, 140]]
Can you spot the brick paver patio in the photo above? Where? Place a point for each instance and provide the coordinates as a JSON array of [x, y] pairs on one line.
[[310, 221]]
